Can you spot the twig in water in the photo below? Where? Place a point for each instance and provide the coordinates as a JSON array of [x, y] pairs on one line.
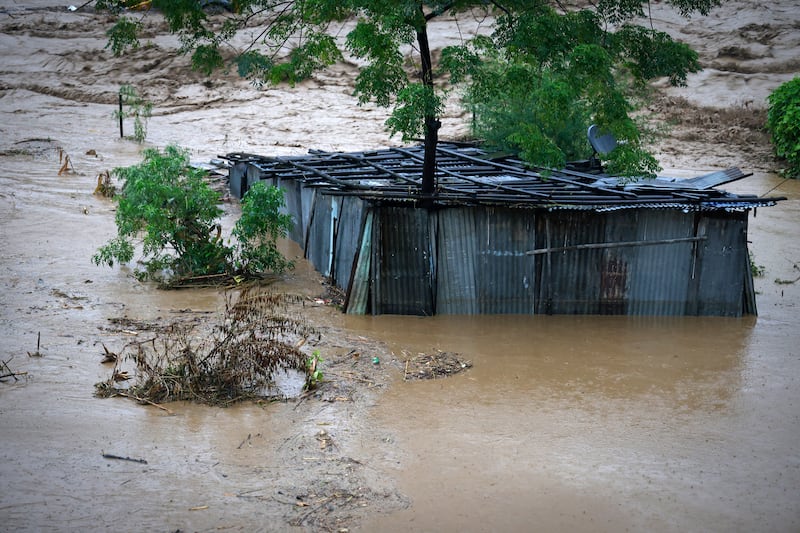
[[37, 353], [144, 400], [245, 440], [788, 281], [10, 373], [120, 458]]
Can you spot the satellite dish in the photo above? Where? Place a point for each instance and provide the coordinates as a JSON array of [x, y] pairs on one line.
[[602, 143]]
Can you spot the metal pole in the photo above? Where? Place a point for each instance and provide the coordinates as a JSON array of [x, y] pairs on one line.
[[121, 135], [593, 246]]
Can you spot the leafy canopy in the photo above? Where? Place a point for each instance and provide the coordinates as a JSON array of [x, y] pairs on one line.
[[543, 76], [547, 71], [169, 207], [783, 121]]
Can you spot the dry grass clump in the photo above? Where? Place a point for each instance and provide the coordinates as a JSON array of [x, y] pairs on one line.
[[105, 187], [255, 337], [743, 123]]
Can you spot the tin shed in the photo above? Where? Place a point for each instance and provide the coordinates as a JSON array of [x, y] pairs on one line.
[[498, 237]]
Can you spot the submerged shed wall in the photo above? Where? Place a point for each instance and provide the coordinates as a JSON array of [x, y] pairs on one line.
[[399, 259], [496, 260], [569, 278], [347, 239], [664, 272], [505, 276], [723, 266], [403, 261], [459, 262]]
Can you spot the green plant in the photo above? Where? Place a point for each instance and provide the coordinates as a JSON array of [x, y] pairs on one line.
[[123, 34], [259, 228], [755, 269], [783, 121], [169, 205], [603, 48], [314, 375], [538, 82], [133, 105]]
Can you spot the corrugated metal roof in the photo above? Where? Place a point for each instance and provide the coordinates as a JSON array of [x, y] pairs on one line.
[[499, 238], [467, 175]]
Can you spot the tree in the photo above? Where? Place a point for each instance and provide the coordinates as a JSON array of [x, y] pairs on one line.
[[169, 205], [590, 58], [175, 212], [544, 75]]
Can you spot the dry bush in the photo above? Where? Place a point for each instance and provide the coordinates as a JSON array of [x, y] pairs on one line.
[[744, 123], [255, 337], [105, 187], [732, 136]]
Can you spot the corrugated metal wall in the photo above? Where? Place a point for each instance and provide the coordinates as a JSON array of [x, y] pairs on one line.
[[457, 268], [398, 259], [723, 265], [319, 236], [505, 274], [294, 206], [347, 237], [569, 279], [662, 273], [236, 177], [358, 290], [617, 264], [481, 267], [402, 262]]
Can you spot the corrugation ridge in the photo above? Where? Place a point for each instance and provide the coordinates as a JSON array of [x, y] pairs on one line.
[[456, 283]]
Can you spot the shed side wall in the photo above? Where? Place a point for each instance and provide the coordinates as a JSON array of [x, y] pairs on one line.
[[402, 262]]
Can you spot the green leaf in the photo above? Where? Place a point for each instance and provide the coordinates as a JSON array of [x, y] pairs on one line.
[[261, 224], [123, 35], [415, 103], [207, 58], [783, 122]]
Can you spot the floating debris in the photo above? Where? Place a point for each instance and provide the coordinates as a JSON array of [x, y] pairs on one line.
[[435, 365]]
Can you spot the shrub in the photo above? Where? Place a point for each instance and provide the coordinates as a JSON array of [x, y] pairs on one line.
[[783, 121], [542, 116], [259, 228], [170, 206], [133, 105]]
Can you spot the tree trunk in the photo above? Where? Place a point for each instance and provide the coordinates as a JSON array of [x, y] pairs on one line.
[[432, 123]]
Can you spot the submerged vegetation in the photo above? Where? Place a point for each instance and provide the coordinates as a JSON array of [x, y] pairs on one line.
[[237, 360], [133, 105], [169, 205]]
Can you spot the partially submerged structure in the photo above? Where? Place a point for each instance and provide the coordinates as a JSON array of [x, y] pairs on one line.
[[498, 237]]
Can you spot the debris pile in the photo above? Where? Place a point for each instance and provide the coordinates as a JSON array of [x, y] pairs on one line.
[[237, 360], [435, 365]]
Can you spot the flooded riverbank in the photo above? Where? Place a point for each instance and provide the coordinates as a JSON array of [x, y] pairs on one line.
[[563, 423]]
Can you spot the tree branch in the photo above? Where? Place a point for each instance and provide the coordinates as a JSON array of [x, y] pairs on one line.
[[501, 8], [433, 14]]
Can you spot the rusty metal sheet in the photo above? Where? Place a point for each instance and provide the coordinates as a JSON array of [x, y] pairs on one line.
[[402, 262]]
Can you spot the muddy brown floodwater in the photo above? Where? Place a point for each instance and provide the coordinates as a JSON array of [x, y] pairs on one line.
[[562, 424]]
